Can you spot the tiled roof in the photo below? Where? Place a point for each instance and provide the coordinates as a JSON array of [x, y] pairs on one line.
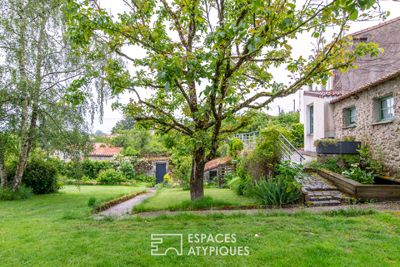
[[322, 94], [375, 27], [103, 150], [368, 86], [212, 164]]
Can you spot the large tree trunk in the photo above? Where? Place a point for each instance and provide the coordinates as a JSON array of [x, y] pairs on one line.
[[197, 176]]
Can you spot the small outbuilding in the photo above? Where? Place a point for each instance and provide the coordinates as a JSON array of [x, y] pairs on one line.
[[216, 169]]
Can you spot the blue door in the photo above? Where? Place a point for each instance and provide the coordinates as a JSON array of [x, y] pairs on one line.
[[161, 170]]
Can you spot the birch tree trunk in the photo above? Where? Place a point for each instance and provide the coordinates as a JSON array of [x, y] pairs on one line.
[[3, 175], [29, 132]]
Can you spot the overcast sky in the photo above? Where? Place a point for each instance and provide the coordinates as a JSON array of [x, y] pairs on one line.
[[111, 117]]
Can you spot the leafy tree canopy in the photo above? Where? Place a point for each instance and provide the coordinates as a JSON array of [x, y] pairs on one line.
[[206, 61]]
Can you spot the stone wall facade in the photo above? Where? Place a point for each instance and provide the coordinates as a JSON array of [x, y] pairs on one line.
[[368, 70], [382, 138]]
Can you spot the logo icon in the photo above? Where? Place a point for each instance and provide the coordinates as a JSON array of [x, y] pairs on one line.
[[162, 244]]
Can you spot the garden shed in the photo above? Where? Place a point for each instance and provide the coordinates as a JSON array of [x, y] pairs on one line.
[[216, 169]]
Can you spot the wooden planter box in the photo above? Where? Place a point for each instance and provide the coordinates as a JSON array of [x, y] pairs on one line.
[[361, 191], [341, 147]]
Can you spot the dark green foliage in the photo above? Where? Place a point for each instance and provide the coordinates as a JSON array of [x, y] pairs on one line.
[[261, 162], [281, 189], [357, 174], [182, 169], [335, 163], [126, 165], [127, 169], [85, 168], [146, 179], [290, 169], [235, 146], [240, 184], [138, 141], [276, 191], [290, 121], [23, 192], [110, 176], [287, 118], [368, 163], [361, 168], [297, 131], [92, 168], [41, 176], [92, 202]]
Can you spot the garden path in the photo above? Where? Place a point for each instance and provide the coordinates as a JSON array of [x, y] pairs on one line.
[[125, 208]]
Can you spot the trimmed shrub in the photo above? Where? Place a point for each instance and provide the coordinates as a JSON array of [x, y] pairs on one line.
[[110, 176], [23, 193], [41, 176]]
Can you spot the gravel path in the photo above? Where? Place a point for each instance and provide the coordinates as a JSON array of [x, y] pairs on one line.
[[125, 208], [381, 206]]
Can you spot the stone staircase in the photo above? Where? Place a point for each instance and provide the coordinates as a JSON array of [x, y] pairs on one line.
[[320, 192]]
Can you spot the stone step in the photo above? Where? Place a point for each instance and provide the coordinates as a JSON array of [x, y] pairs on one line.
[[323, 192], [324, 203], [320, 198], [317, 188]]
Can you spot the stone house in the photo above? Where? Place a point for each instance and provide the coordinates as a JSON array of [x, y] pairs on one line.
[[371, 114], [351, 104]]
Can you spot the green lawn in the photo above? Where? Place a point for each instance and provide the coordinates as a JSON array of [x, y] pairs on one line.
[[176, 198], [57, 230]]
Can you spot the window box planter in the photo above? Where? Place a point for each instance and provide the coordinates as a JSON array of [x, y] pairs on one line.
[[340, 147]]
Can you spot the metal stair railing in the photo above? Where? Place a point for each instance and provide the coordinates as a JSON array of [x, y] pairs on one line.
[[288, 150]]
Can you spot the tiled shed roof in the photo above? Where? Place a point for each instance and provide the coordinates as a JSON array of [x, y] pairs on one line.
[[212, 164]]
